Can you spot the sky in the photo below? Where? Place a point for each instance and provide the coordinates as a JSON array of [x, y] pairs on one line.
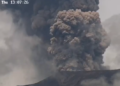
[[108, 8]]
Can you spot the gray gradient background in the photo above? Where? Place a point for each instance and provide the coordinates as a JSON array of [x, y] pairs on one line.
[[110, 15], [108, 8]]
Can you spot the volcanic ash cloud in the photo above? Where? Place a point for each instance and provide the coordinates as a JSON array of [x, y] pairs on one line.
[[78, 40]]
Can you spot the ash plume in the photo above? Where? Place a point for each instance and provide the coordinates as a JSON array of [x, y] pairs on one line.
[[70, 34], [44, 15], [45, 11], [78, 40], [40, 14], [77, 37]]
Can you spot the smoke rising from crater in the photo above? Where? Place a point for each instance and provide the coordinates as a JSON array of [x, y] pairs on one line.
[[78, 36], [45, 12], [17, 53], [66, 32], [78, 33]]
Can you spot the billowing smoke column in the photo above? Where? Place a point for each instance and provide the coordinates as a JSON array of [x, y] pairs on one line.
[[40, 14], [71, 29], [45, 12], [78, 41]]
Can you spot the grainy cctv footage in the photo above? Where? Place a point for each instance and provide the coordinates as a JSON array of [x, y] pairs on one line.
[[59, 43]]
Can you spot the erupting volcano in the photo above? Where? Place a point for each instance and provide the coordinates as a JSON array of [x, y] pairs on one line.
[[72, 37]]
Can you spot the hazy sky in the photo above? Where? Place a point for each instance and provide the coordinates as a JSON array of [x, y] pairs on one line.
[[108, 8]]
